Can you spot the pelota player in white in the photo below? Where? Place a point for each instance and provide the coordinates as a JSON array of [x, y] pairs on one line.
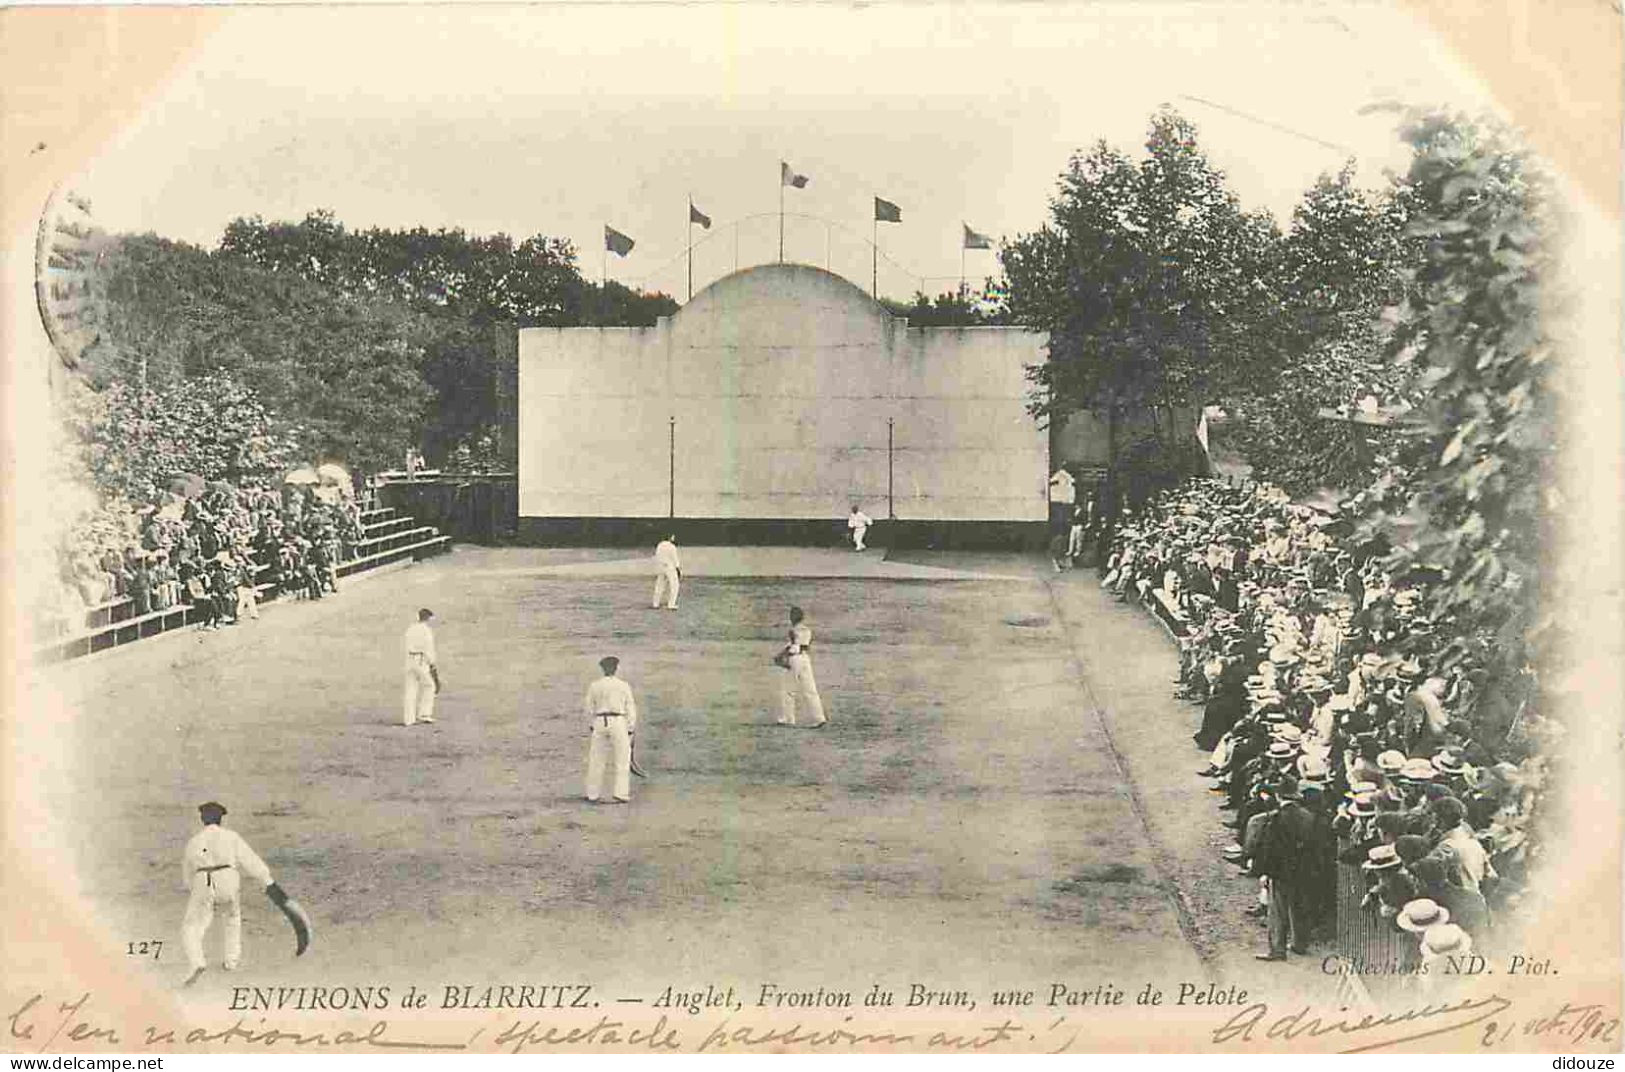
[[795, 659], [213, 864], [670, 575]]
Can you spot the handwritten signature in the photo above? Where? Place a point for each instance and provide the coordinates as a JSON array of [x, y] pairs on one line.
[[1375, 1031], [1248, 1024]]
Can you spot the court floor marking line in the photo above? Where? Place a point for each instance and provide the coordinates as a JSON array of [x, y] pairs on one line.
[[1161, 856]]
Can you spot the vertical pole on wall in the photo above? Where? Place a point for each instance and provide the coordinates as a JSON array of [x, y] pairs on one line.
[[671, 467], [781, 221], [874, 260], [691, 249], [891, 503]]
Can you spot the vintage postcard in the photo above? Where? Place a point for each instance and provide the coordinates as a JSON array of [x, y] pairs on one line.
[[878, 528]]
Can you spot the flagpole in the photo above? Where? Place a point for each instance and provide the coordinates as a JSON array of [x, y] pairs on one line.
[[961, 271], [781, 212], [691, 248], [874, 259]]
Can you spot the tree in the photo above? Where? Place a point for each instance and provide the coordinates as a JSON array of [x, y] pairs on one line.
[[1337, 269], [133, 441], [472, 293], [1471, 489], [1149, 279], [948, 310]]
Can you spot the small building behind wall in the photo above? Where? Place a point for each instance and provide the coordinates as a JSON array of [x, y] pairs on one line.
[[765, 408]]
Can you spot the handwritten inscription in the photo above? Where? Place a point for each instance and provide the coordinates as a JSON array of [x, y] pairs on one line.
[[715, 1020]]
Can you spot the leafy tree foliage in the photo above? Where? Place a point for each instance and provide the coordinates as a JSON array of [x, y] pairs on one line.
[[1337, 269], [949, 309], [372, 341], [1470, 490], [471, 293], [1148, 277], [135, 440]]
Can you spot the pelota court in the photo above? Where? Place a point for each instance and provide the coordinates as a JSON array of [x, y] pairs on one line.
[[1003, 797]]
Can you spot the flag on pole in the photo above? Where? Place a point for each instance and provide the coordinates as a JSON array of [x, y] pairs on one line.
[[974, 240], [886, 212], [696, 216], [616, 242], [790, 178]]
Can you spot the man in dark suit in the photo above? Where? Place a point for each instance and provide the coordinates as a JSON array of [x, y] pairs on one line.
[[1283, 859]]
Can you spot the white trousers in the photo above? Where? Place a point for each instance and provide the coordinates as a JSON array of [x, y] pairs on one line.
[[248, 602], [668, 578], [799, 685], [858, 532], [417, 704], [224, 892], [611, 742]]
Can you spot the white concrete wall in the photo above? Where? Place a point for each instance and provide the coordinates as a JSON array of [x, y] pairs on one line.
[[781, 380]]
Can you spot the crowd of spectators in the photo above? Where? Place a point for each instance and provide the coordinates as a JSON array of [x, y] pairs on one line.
[[1334, 739], [211, 547]]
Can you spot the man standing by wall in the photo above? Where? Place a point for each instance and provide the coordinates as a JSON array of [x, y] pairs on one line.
[[858, 524], [422, 671], [614, 716], [670, 571], [1063, 493]]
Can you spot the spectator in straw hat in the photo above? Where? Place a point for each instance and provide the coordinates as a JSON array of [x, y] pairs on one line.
[[1444, 940], [1418, 915], [1391, 886]]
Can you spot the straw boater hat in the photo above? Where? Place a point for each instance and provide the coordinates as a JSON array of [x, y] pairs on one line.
[[1381, 858], [1287, 732], [1445, 940], [1391, 761], [1451, 761], [1418, 770], [1417, 916], [1282, 750]]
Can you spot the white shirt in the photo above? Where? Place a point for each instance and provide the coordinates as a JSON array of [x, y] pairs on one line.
[[800, 638], [859, 520], [1473, 863], [1063, 487], [666, 554], [611, 696], [419, 640], [214, 846]]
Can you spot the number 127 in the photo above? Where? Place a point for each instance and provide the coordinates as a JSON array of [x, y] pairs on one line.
[[141, 949]]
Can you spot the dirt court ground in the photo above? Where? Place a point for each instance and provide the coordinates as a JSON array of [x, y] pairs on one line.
[[962, 821]]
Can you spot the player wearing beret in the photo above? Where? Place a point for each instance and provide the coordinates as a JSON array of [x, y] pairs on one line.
[[212, 866]]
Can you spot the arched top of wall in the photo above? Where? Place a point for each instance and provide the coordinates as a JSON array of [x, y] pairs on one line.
[[793, 297]]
